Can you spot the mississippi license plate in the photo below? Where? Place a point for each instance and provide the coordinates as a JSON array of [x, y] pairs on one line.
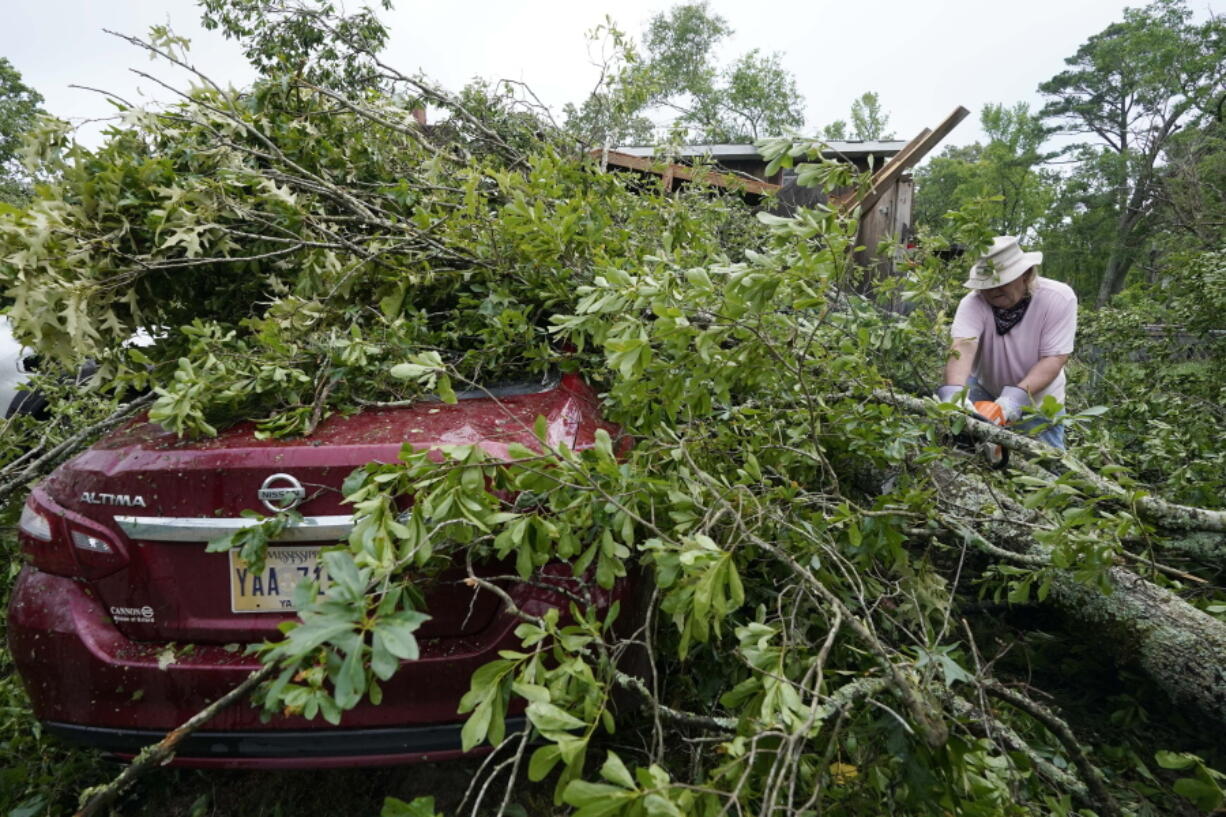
[[273, 590]]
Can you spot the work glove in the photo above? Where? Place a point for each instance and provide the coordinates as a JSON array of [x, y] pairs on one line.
[[1011, 401], [949, 394]]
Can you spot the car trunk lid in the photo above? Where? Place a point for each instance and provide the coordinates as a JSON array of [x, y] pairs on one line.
[[158, 500]]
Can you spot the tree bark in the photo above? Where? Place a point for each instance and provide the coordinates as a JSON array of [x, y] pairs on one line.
[[1178, 646], [1167, 515], [1113, 275], [1181, 648]]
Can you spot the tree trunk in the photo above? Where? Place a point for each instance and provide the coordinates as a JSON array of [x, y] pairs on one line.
[[1126, 235], [1181, 648], [1178, 646], [1113, 276]]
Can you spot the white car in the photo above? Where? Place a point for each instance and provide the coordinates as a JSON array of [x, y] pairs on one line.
[[17, 366], [12, 365]]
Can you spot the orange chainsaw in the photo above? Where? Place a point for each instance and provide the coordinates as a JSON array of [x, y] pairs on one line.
[[989, 411]]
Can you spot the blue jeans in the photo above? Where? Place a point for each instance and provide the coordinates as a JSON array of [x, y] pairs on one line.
[[1053, 435]]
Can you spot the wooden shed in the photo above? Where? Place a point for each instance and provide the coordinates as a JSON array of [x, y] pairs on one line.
[[885, 206]]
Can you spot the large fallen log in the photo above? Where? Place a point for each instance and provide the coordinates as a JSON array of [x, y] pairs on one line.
[[1181, 648]]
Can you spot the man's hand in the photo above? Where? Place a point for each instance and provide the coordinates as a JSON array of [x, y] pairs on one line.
[[1011, 401], [949, 394]]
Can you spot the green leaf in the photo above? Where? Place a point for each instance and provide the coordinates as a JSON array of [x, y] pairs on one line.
[[600, 798], [350, 682], [658, 806], [477, 726], [616, 772], [420, 807], [530, 692], [445, 392], [603, 443], [397, 633], [382, 663], [1176, 760], [1206, 795], [542, 762], [549, 718], [410, 371], [342, 570], [29, 807]]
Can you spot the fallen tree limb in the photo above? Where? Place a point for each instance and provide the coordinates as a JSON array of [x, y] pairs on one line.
[[925, 714], [1102, 799], [100, 797], [985, 725], [674, 716], [1165, 514], [1181, 648], [1177, 645], [20, 477]]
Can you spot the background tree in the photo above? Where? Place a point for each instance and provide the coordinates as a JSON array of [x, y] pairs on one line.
[[677, 81], [612, 114], [869, 120], [302, 38], [1192, 194], [835, 130], [19, 107], [1008, 169], [1130, 88]]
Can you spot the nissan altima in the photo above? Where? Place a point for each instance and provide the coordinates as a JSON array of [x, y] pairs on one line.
[[122, 625]]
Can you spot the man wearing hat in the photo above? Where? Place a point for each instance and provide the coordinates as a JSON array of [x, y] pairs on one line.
[[1012, 335]]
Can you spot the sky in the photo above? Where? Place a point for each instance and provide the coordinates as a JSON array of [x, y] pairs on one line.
[[922, 57]]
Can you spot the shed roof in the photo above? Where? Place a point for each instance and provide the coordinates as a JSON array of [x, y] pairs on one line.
[[835, 147]]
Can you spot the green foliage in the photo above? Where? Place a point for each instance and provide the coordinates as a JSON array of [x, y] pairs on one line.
[[305, 40], [1142, 99], [1155, 360], [675, 73], [1007, 172], [869, 120], [20, 106], [420, 807], [1130, 88], [612, 113], [258, 276], [1195, 213], [1203, 786], [806, 570]]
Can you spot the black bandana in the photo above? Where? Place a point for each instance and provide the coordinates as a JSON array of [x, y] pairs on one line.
[[1006, 319]]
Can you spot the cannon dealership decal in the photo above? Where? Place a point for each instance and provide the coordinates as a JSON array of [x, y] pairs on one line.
[[138, 614]]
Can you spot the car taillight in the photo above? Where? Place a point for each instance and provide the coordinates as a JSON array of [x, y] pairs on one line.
[[34, 524], [83, 541], [63, 543], [97, 553], [40, 538]]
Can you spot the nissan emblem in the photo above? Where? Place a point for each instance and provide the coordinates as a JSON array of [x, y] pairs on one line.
[[281, 492]]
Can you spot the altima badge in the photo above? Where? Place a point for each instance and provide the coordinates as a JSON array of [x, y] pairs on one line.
[[281, 492]]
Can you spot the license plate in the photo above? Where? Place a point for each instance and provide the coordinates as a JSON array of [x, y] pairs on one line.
[[273, 590]]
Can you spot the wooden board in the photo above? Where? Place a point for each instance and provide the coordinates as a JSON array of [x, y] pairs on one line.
[[915, 150], [672, 171]]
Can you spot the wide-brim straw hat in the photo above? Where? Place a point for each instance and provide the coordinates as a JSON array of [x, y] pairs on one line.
[[1003, 263]]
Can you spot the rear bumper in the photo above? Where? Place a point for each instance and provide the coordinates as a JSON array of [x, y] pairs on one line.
[[284, 749], [93, 685]]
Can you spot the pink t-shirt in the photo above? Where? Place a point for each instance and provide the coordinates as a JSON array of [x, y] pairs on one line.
[[1047, 329]]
